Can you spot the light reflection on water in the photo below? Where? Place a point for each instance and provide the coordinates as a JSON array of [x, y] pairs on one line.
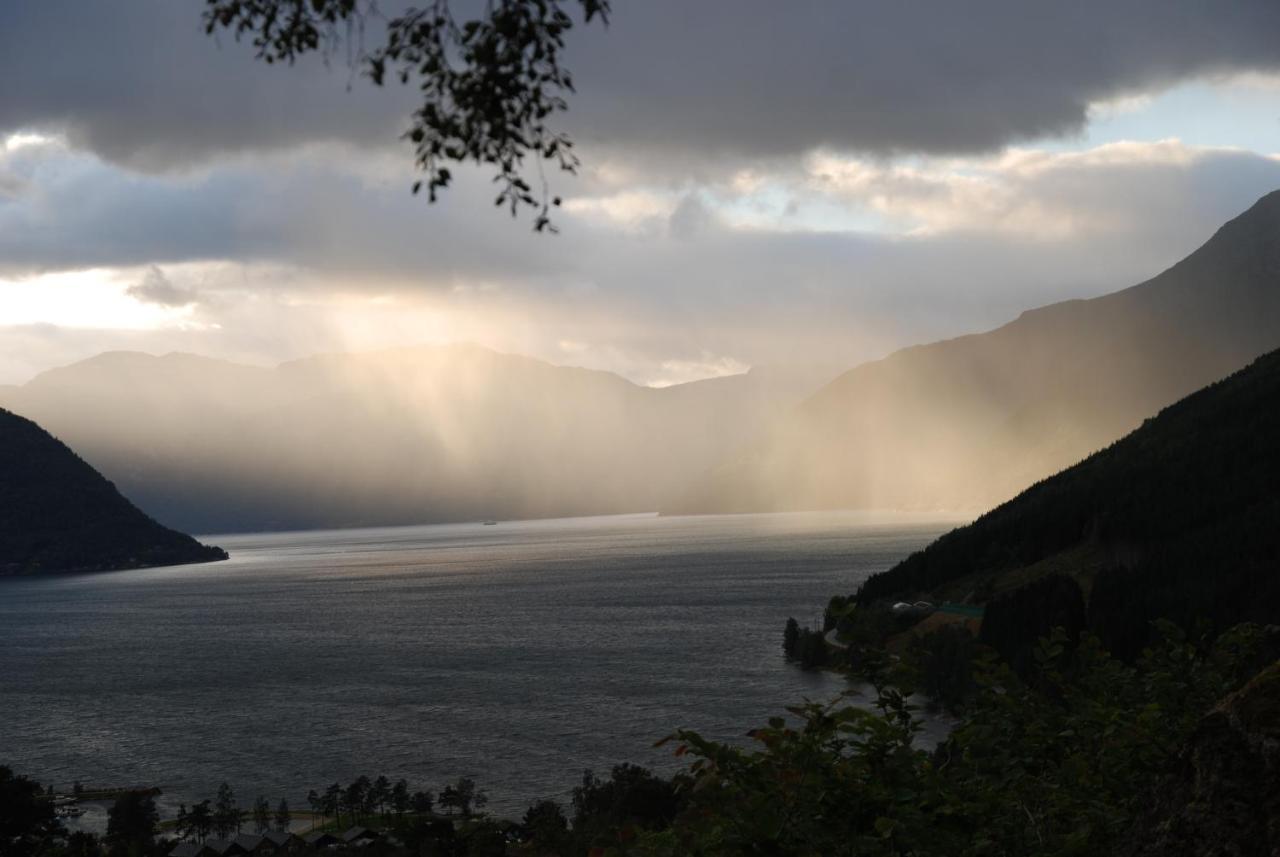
[[518, 654]]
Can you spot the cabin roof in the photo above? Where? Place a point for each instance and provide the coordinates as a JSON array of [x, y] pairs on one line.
[[355, 833], [278, 837]]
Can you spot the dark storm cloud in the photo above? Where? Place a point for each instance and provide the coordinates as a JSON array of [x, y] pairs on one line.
[[73, 211], [156, 288], [767, 78], [139, 83]]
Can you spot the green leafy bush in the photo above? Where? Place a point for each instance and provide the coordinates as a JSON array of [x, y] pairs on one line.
[[1056, 764]]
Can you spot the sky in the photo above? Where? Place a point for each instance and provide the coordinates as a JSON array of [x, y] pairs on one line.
[[822, 181]]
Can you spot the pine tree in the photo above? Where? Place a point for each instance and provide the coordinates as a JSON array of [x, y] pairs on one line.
[[261, 815], [226, 815], [380, 793], [400, 797], [790, 636], [283, 816], [200, 820]]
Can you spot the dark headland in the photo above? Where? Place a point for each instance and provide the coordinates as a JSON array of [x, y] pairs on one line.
[[58, 514]]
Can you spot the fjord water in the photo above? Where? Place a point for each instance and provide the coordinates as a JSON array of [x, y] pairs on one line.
[[517, 654]]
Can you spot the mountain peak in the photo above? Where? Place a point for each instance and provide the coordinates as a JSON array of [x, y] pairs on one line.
[[1268, 206], [1255, 231], [968, 422]]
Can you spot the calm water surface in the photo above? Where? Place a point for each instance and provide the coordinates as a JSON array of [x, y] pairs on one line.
[[518, 654]]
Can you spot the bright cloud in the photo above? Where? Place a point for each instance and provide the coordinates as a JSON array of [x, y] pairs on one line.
[[705, 366], [93, 298], [1033, 193]]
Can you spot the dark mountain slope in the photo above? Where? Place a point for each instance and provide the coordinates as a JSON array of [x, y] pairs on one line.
[[57, 514], [967, 423], [1181, 517]]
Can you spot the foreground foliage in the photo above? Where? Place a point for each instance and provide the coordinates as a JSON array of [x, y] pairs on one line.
[[1056, 764]]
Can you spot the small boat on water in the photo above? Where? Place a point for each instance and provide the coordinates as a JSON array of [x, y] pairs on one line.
[[490, 523]]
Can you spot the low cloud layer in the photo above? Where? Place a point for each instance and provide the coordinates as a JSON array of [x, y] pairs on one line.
[[269, 259], [360, 228], [930, 77]]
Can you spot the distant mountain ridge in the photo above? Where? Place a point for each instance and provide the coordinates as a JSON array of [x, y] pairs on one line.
[[449, 433], [966, 423], [58, 515], [401, 436]]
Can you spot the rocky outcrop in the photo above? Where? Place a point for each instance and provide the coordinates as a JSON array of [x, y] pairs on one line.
[[1224, 798]]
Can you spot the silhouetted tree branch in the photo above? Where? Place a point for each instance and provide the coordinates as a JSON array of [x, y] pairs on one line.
[[490, 85]]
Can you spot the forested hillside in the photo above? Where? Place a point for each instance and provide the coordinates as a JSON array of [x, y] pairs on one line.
[[1176, 520], [57, 514]]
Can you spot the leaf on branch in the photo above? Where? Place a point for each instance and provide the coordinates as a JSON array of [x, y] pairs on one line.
[[487, 84]]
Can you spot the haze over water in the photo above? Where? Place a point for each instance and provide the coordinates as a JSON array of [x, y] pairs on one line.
[[518, 654]]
